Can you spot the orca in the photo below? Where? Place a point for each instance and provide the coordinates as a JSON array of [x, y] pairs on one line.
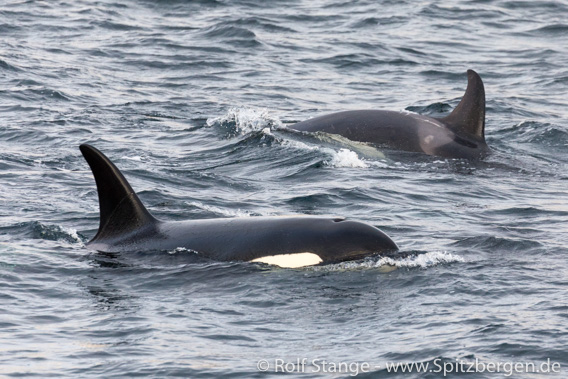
[[461, 134], [287, 241]]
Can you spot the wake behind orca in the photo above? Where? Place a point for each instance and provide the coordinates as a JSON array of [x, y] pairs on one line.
[[459, 135], [295, 241]]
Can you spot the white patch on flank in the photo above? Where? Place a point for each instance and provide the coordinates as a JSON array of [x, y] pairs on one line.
[[363, 148], [291, 260], [428, 139]]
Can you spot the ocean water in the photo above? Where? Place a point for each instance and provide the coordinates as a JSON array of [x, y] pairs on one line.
[[191, 100]]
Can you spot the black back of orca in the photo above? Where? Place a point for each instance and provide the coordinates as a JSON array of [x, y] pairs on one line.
[[459, 135], [126, 225]]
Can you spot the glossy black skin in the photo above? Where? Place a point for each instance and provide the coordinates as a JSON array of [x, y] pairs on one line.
[[126, 225], [461, 134], [245, 239], [398, 130]]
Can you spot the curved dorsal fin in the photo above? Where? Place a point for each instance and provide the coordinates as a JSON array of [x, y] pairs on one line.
[[121, 211], [468, 118]]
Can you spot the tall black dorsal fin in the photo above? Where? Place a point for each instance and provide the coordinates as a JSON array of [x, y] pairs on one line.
[[468, 118], [121, 211]]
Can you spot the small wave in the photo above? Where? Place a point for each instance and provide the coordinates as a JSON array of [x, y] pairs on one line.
[[432, 110], [39, 93], [372, 22], [234, 35], [339, 159], [542, 134], [240, 120], [390, 263], [115, 25], [554, 29], [263, 23], [228, 31], [7, 66], [354, 61], [55, 233]]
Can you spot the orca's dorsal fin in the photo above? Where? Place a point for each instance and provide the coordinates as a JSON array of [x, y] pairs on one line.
[[121, 211], [468, 118]]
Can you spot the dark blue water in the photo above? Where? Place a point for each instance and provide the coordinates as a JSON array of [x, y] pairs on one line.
[[191, 100]]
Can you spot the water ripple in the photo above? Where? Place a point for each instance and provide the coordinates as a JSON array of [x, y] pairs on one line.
[[191, 101]]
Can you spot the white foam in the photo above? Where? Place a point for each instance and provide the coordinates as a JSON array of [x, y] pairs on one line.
[[73, 234], [341, 158], [247, 120], [178, 250], [136, 158], [387, 263], [345, 158], [423, 260], [267, 131]]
